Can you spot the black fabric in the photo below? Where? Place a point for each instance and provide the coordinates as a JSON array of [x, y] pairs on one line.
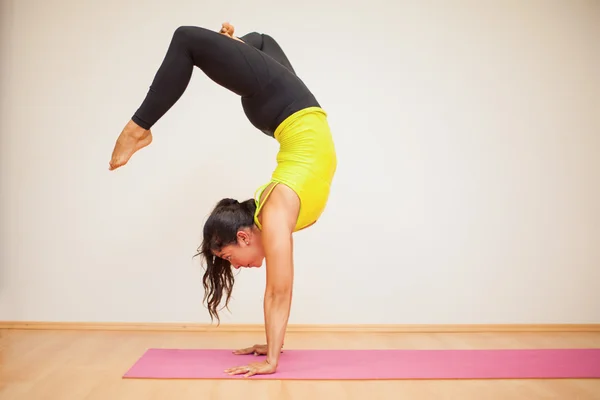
[[257, 70], [268, 45]]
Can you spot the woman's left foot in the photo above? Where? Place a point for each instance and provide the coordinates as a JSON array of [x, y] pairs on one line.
[[132, 138]]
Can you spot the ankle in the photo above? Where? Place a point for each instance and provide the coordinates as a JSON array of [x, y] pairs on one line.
[[134, 129]]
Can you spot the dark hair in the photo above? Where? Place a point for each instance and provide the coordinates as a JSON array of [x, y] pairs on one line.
[[220, 230]]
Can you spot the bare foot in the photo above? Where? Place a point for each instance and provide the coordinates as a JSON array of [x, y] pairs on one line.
[[227, 29], [132, 138]]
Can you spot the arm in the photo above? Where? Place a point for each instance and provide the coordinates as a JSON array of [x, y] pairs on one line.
[[279, 216], [278, 219]]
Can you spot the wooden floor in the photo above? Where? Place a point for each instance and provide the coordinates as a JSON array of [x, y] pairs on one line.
[[75, 365]]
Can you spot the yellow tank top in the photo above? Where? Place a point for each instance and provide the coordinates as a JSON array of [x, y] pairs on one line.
[[306, 162]]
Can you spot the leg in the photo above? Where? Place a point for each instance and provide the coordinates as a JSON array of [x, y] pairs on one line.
[[286, 93], [269, 46], [230, 63], [262, 42], [226, 62]]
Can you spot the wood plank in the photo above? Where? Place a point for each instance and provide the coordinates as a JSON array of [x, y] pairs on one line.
[[373, 328], [88, 365]]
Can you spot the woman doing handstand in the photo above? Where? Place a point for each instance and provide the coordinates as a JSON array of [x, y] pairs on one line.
[[244, 234]]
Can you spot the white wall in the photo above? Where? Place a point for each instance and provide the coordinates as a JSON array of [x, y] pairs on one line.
[[468, 187]]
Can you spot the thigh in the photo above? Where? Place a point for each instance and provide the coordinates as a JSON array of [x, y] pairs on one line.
[[272, 48], [269, 46], [230, 63]]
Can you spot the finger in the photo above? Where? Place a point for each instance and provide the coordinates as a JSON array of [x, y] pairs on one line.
[[237, 371], [247, 370], [250, 373], [244, 369], [247, 350]]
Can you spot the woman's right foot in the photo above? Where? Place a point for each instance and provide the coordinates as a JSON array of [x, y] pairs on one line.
[[227, 29]]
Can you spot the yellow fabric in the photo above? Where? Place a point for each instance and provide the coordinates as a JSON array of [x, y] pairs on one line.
[[306, 162]]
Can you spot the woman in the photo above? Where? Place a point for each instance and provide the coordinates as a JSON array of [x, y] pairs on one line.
[[244, 234]]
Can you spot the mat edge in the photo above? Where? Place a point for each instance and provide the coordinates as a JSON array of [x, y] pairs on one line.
[[324, 328], [367, 379], [130, 375]]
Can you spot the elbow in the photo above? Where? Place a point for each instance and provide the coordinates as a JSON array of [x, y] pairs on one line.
[[279, 293]]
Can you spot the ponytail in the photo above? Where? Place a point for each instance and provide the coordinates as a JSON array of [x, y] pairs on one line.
[[217, 279], [220, 230]]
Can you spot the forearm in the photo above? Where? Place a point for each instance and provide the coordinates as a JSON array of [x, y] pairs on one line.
[[277, 310]]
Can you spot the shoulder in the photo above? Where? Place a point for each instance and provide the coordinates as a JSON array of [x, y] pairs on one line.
[[281, 208]]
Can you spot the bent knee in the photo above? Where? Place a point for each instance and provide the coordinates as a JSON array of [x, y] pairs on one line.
[[185, 32]]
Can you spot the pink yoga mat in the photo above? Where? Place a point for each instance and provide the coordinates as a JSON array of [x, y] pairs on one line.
[[375, 364]]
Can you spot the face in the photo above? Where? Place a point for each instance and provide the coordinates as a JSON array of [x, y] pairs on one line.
[[247, 253]]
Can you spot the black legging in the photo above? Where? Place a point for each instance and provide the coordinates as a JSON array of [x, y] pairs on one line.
[[257, 70]]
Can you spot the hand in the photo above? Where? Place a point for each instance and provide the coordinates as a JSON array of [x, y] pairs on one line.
[[252, 369], [257, 350]]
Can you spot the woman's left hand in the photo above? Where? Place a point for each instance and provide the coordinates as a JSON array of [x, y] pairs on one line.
[[252, 369]]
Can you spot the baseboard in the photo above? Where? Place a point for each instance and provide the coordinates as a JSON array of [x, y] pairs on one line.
[[323, 328]]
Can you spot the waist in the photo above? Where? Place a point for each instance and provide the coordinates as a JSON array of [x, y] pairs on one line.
[[307, 156], [308, 123], [270, 108]]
